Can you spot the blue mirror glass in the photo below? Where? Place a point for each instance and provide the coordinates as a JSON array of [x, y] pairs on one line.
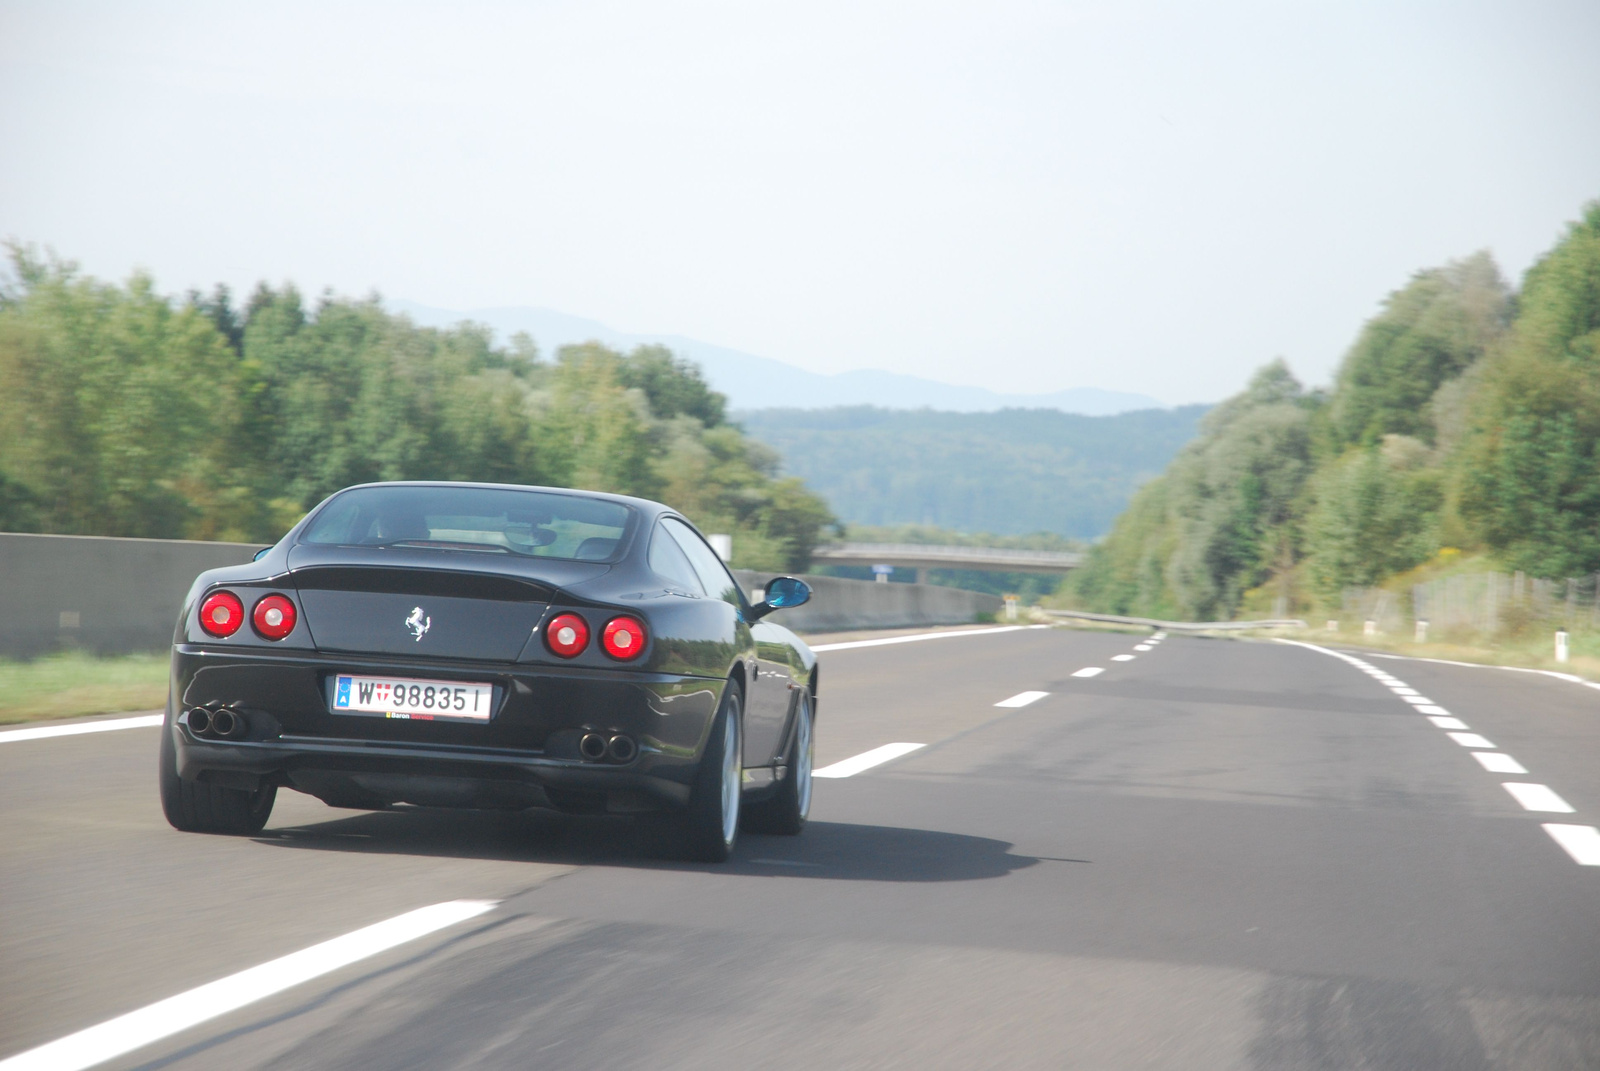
[[262, 553], [786, 591]]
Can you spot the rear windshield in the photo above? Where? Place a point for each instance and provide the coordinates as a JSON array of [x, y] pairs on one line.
[[492, 520]]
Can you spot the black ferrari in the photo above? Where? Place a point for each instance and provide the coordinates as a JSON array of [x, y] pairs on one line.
[[491, 646]]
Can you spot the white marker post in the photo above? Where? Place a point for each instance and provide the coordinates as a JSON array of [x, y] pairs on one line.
[[1561, 645]]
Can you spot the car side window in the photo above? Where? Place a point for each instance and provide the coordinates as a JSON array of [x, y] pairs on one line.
[[714, 576], [669, 562]]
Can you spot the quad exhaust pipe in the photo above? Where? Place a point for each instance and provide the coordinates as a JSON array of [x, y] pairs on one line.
[[618, 748]]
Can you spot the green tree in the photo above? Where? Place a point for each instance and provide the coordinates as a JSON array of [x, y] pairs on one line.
[[1428, 332], [1529, 472], [1376, 513]]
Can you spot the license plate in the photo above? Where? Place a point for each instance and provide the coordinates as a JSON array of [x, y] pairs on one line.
[[412, 699]]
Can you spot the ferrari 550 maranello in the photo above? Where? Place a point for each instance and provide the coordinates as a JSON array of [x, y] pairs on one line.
[[490, 646]]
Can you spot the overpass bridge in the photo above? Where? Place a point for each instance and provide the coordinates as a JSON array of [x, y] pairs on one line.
[[921, 557]]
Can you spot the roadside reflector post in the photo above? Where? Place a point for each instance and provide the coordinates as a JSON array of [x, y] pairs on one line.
[[722, 543], [1011, 606], [1333, 626], [1561, 645], [1422, 631], [1370, 629]]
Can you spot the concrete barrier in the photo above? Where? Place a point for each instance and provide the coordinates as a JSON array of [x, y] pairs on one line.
[[117, 596], [837, 604], [109, 596]]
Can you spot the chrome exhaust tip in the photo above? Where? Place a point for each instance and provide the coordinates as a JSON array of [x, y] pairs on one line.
[[199, 721], [228, 723], [621, 748], [592, 746]]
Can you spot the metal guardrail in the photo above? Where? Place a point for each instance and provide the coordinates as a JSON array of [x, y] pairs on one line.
[[1189, 626], [929, 555]]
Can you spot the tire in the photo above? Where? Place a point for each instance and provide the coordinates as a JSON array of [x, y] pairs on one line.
[[199, 808], [710, 825], [785, 812]]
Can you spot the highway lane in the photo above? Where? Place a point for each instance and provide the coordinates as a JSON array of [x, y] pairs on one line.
[[1218, 854]]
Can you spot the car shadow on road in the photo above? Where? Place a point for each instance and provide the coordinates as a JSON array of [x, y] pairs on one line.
[[825, 850]]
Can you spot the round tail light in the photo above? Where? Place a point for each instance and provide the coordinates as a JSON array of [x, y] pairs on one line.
[[222, 613], [273, 617], [623, 638], [567, 635]]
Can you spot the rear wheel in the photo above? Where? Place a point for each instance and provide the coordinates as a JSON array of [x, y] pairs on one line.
[[786, 810], [200, 808], [711, 823]]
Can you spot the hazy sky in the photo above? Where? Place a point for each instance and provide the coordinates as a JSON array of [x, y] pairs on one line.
[[1154, 197]]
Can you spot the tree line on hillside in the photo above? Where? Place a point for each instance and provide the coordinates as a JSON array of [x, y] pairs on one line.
[[1465, 417], [126, 413], [1011, 472]]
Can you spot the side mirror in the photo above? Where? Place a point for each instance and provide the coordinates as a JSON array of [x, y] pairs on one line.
[[782, 593], [262, 553]]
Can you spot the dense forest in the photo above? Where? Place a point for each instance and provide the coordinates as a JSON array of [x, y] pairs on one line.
[[1465, 419], [1011, 472], [126, 413]]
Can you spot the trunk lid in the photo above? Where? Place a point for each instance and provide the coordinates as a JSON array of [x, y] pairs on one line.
[[418, 603]]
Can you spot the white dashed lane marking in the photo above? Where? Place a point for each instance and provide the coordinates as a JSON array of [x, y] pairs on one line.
[[1470, 740], [1022, 699], [866, 760], [1143, 647], [1580, 842], [1090, 671], [1498, 762], [1122, 658], [1537, 797], [136, 1029]]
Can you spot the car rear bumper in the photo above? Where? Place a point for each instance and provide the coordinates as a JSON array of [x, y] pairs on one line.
[[526, 755]]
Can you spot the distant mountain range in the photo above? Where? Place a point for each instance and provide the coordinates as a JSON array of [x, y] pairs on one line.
[[752, 382], [1009, 473]]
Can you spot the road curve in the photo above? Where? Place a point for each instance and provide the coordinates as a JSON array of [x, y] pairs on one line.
[[1209, 854]]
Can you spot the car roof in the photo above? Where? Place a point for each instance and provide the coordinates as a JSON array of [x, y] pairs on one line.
[[645, 505]]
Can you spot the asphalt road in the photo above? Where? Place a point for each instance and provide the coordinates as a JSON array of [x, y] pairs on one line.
[[1217, 854]]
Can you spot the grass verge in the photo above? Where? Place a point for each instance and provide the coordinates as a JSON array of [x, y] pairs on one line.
[[72, 685]]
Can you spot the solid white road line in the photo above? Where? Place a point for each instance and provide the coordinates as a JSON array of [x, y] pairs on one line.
[[143, 721], [1090, 671], [850, 767], [1442, 722], [1498, 762], [1537, 797], [1581, 842], [919, 637], [1122, 658], [125, 1033], [1022, 699], [1470, 740]]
